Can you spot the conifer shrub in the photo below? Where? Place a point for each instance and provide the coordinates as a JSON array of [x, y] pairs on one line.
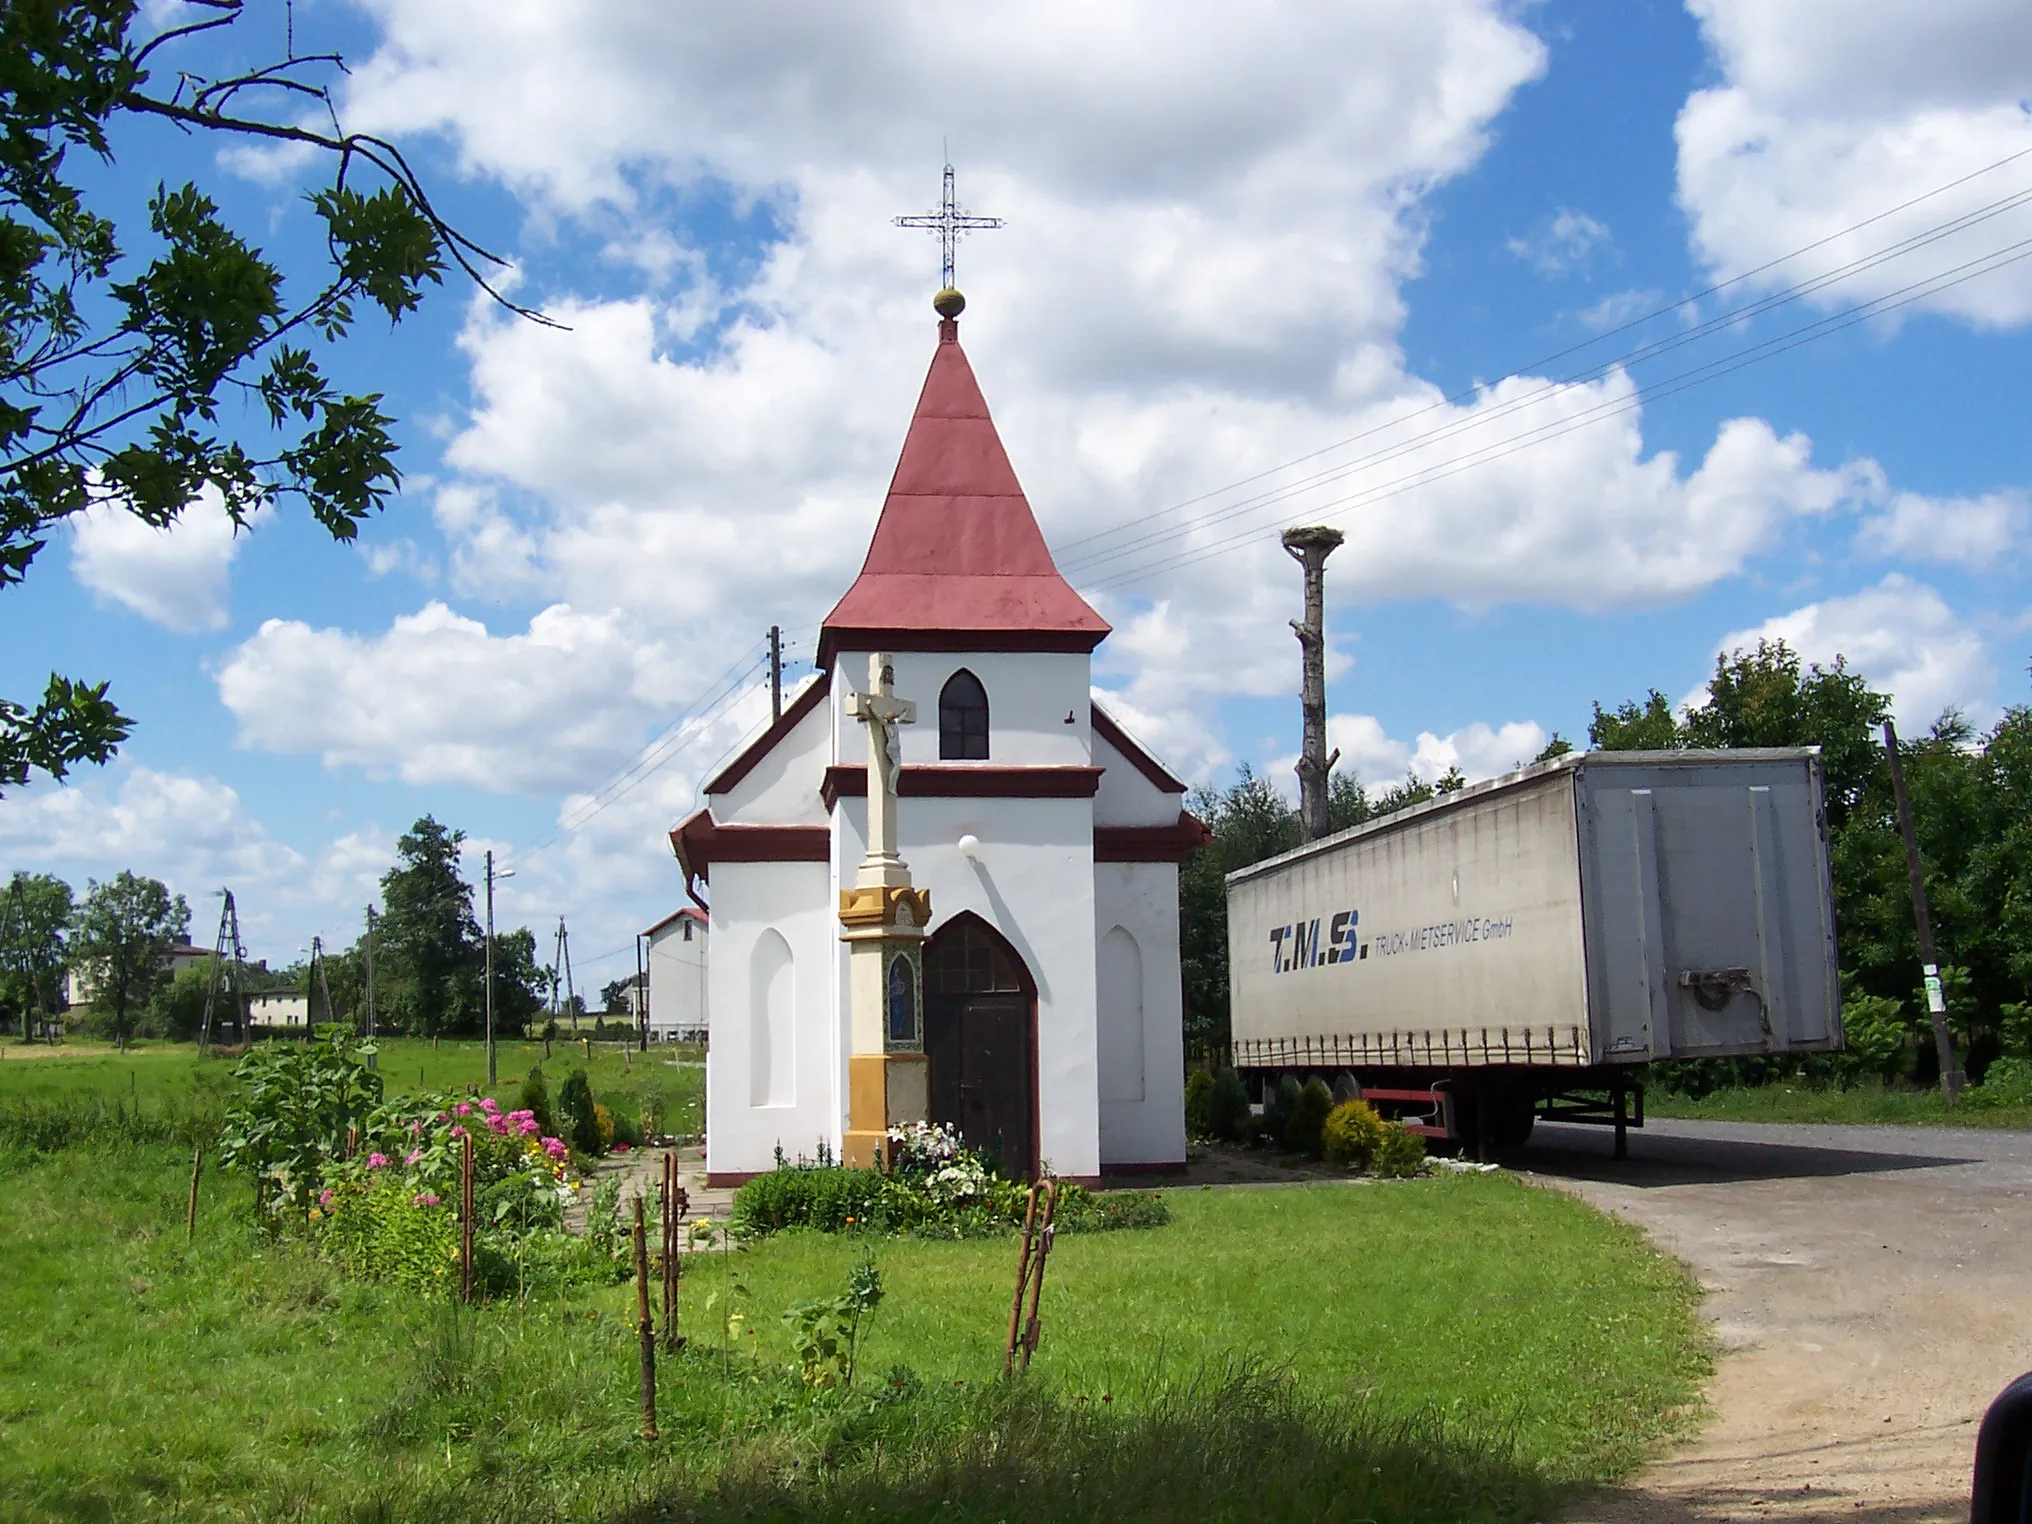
[[1351, 1133], [578, 1115], [1231, 1117], [535, 1099], [1305, 1123], [1399, 1153], [1199, 1107], [1278, 1103]]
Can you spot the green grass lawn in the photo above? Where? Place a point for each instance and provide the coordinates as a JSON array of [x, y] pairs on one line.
[[1811, 1103], [1448, 1349], [159, 1072]]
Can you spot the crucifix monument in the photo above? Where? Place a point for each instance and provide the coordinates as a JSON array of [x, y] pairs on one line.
[[884, 917]]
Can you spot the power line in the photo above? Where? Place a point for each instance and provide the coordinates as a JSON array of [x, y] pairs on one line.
[[1685, 380], [1483, 417]]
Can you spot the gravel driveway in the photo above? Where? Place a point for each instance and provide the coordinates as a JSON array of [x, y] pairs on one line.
[[1871, 1290]]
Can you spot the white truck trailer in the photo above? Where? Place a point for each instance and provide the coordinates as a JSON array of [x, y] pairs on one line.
[[1512, 950]]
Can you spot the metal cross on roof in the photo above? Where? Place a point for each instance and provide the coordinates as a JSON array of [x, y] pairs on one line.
[[951, 223]]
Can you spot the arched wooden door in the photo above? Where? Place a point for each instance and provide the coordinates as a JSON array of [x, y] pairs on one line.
[[980, 1041]]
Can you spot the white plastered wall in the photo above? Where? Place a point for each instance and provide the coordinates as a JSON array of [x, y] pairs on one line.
[[1140, 1123], [677, 978], [1029, 696], [1127, 798], [1033, 881], [751, 901], [782, 788]]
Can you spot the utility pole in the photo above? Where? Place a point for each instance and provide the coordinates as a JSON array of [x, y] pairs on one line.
[[369, 1013], [492, 874], [775, 673], [1952, 1080], [641, 1001], [229, 926], [320, 982], [1310, 547], [571, 998]]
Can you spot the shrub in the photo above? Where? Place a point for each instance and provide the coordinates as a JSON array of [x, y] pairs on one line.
[[1351, 1133], [1306, 1119], [577, 1113], [830, 1199], [1874, 1030], [1104, 1211], [2007, 1082], [1230, 1107], [603, 1128], [1399, 1153], [383, 1229], [1199, 1106], [535, 1098], [1278, 1104]]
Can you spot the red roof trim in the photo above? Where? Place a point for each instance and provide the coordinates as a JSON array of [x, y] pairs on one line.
[[1151, 844], [1106, 727], [762, 745], [834, 640], [968, 781], [682, 913], [702, 841]]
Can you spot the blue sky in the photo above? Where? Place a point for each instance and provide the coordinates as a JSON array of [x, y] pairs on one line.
[[1229, 247]]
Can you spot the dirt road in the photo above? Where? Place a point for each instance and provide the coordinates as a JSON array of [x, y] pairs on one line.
[[1871, 1288]]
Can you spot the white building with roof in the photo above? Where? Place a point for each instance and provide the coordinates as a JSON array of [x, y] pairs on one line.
[[1049, 841], [677, 976]]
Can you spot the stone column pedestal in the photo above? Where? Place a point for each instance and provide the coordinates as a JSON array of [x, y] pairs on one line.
[[887, 1080]]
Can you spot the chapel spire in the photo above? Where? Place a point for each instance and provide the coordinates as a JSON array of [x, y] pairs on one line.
[[957, 561]]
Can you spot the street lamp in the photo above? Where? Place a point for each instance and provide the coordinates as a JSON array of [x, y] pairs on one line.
[[492, 874]]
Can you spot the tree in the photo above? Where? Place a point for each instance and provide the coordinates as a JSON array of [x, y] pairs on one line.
[[116, 369], [1631, 726], [614, 994], [430, 956], [124, 932], [34, 919]]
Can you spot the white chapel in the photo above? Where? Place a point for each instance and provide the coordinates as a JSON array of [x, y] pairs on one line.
[[1044, 838]]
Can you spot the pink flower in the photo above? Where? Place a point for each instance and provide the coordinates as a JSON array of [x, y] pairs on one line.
[[498, 1125], [416, 1129], [324, 1199], [488, 1105], [528, 1125], [377, 1161], [458, 1132], [414, 1155], [423, 1198], [463, 1109], [554, 1148]]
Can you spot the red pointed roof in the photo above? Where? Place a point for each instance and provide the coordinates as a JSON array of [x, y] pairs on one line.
[[957, 561]]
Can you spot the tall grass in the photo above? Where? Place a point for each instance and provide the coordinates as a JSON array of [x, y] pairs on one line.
[[45, 1124]]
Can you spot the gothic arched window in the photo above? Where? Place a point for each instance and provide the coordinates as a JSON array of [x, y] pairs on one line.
[[963, 719]]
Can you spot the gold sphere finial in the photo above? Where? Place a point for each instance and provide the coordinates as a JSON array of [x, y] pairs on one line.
[[949, 303]]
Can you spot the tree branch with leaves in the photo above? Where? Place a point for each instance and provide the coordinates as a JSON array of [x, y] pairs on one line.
[[119, 372]]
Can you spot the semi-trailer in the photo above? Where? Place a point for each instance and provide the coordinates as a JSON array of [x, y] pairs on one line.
[[1518, 948]]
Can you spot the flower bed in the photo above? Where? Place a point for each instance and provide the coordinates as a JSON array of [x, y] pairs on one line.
[[934, 1187]]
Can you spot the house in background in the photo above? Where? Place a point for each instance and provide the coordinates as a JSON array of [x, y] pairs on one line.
[[278, 1010], [677, 977], [78, 988]]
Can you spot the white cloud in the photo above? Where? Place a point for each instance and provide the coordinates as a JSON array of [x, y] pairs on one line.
[[1209, 224], [1830, 112], [440, 699], [1980, 532], [1566, 240], [1902, 636], [1618, 308], [1370, 754], [175, 577]]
